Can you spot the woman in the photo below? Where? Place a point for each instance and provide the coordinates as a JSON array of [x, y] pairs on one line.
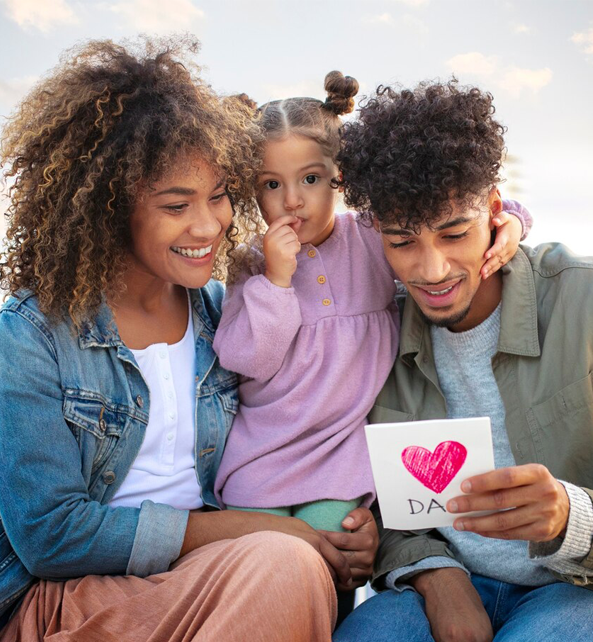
[[128, 177]]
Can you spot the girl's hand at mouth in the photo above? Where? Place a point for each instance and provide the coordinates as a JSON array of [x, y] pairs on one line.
[[281, 246]]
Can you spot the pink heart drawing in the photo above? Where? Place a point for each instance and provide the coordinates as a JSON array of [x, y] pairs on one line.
[[435, 470]]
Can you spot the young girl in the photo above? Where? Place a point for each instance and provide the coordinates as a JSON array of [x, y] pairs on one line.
[[311, 325]]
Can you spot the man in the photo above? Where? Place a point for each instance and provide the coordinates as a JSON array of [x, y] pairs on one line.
[[517, 347]]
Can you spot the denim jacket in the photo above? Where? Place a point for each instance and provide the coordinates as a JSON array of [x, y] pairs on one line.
[[73, 413]]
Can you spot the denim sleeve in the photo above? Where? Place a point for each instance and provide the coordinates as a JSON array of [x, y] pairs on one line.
[[52, 524], [159, 538]]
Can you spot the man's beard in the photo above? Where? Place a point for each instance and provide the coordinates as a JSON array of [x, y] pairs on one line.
[[446, 322]]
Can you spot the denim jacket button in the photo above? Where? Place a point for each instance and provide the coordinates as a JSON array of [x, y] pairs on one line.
[[140, 401], [102, 425], [109, 477]]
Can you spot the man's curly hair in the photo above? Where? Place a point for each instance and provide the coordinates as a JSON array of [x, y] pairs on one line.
[[412, 152], [109, 120]]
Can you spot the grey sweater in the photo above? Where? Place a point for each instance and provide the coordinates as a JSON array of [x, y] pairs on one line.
[[463, 361]]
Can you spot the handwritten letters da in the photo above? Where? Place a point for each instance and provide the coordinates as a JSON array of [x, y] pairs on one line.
[[418, 466]]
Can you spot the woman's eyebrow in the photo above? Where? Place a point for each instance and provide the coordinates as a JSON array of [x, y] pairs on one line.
[[185, 191]]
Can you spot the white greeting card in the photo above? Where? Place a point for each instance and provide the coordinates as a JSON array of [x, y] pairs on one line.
[[418, 467]]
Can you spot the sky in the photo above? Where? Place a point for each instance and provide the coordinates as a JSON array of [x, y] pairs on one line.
[[534, 56]]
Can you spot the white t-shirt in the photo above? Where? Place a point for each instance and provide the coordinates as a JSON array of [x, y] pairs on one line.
[[163, 470]]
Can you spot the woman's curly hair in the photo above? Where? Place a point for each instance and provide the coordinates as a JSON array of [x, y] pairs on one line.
[[412, 152], [108, 120]]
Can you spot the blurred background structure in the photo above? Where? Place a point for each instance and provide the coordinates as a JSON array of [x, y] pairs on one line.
[[535, 56]]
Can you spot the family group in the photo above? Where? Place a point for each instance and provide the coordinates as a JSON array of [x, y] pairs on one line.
[[186, 460]]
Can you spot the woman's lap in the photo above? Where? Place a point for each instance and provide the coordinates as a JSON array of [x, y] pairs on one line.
[[261, 587]]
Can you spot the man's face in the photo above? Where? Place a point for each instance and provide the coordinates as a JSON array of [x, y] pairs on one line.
[[440, 266]]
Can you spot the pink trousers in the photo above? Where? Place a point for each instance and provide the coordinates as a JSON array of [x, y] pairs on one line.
[[264, 587]]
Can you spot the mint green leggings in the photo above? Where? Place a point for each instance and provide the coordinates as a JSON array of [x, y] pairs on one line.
[[324, 514]]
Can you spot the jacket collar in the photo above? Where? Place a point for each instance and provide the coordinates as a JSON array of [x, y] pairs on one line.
[[102, 331], [518, 324]]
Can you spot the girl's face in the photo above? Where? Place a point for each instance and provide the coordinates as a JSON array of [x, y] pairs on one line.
[[296, 179], [178, 223]]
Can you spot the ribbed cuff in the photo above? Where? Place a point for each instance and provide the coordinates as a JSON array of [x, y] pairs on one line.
[[579, 532], [261, 278], [522, 213]]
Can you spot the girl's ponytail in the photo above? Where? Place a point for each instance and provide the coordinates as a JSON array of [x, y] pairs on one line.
[[340, 93]]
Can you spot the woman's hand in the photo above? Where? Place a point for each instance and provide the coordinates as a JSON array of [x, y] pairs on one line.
[[281, 245], [508, 235], [359, 546], [206, 527]]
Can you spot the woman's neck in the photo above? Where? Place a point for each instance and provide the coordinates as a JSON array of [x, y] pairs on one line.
[[149, 310]]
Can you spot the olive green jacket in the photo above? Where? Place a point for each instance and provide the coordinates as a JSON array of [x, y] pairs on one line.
[[543, 368]]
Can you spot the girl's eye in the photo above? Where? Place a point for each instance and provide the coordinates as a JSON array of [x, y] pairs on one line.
[[311, 179], [271, 184]]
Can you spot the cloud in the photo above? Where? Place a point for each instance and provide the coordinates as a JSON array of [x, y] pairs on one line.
[[509, 78], [40, 14], [158, 16], [473, 63], [584, 39], [407, 22], [11, 91], [520, 28], [515, 80], [384, 18]]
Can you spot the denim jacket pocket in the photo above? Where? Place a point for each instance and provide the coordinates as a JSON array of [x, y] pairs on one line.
[[96, 424]]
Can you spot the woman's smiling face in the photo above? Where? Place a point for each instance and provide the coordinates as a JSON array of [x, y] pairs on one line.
[[178, 223]]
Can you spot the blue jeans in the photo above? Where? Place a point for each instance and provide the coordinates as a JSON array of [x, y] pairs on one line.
[[554, 613]]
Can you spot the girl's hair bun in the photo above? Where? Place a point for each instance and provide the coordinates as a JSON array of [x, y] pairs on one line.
[[340, 92]]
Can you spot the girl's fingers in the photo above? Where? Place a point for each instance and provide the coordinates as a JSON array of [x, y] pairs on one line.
[[281, 232], [287, 220], [497, 255], [501, 218]]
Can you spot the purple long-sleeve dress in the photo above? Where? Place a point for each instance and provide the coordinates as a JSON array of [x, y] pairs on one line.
[[314, 357]]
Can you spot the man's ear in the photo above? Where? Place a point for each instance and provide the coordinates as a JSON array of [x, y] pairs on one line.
[[494, 204]]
